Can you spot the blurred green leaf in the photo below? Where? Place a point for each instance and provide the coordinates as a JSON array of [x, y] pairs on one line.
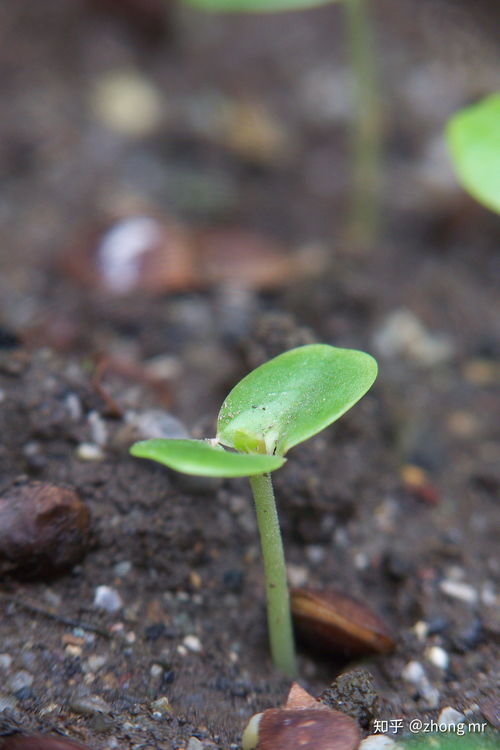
[[473, 136], [256, 6], [451, 740]]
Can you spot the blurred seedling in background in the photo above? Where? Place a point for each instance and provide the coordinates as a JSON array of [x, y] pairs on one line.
[[473, 136], [280, 404], [366, 131]]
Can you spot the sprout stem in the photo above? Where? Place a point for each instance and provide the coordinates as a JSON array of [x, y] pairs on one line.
[[278, 601], [366, 135]]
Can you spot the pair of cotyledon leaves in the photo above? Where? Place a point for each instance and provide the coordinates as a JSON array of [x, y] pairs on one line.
[[281, 403]]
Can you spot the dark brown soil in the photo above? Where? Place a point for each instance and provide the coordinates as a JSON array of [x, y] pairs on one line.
[[397, 504]]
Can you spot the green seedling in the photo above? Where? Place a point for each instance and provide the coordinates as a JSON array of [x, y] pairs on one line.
[[473, 136], [282, 403]]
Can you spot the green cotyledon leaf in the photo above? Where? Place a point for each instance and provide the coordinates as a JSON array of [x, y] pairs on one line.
[[292, 397], [256, 6], [473, 136], [205, 458]]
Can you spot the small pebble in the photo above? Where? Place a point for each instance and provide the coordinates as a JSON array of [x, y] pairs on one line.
[[108, 599], [122, 569], [430, 694], [89, 705], [98, 429], [127, 103], [488, 595], [5, 661], [459, 590], [403, 334], [194, 744], [438, 656], [7, 703], [378, 742], [297, 575], [413, 672], [50, 708], [192, 643], [20, 680], [161, 705], [315, 553], [421, 630], [156, 670], [94, 663], [89, 452], [73, 406], [155, 423], [450, 716]]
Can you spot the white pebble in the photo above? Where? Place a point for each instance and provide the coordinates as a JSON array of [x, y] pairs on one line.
[[378, 742], [122, 569], [94, 663], [402, 334], [98, 429], [459, 590], [488, 595], [155, 423], [5, 661], [156, 670], [421, 630], [108, 599], [89, 452], [430, 694], [438, 656], [193, 643], [297, 575], [413, 672], [451, 717], [315, 553], [194, 744], [126, 102], [361, 561], [74, 406]]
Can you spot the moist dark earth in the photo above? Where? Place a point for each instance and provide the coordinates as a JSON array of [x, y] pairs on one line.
[[242, 126]]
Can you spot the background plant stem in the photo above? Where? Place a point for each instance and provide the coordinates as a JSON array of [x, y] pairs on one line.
[[278, 602], [364, 218]]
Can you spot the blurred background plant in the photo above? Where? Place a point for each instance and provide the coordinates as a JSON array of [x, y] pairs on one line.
[[364, 214]]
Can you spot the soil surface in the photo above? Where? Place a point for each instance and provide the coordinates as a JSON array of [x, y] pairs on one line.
[[240, 125]]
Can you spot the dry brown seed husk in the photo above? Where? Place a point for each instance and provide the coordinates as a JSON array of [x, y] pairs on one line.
[[339, 624], [307, 729]]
